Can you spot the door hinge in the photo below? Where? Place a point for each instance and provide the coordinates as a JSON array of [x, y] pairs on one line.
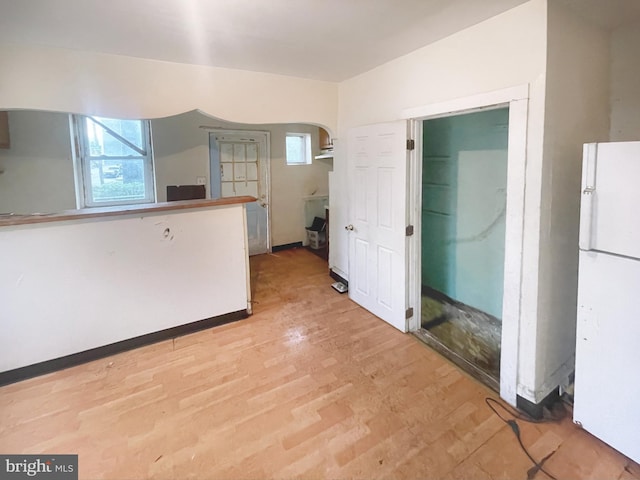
[[409, 230], [408, 313], [411, 144]]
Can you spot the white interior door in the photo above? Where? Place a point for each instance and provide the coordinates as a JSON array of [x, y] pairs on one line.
[[377, 159], [239, 166]]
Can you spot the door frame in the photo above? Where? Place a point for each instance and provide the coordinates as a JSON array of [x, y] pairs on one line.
[[264, 191], [517, 100]]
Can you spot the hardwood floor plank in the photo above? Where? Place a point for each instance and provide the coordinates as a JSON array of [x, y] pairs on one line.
[[310, 386]]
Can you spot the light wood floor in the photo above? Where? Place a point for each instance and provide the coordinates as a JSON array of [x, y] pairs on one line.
[[310, 386]]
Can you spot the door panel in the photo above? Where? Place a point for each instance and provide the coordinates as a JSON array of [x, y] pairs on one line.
[[361, 280], [360, 195], [377, 157], [385, 270], [385, 190]]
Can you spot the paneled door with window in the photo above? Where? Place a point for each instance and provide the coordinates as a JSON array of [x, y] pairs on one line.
[[239, 166]]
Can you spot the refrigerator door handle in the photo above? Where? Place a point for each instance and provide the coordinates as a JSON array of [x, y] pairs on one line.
[[590, 155], [586, 218]]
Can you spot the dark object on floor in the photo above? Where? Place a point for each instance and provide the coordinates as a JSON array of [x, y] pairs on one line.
[[340, 287], [286, 246], [185, 192], [513, 424], [338, 277]]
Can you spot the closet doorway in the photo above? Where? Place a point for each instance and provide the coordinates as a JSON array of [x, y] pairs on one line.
[[463, 217]]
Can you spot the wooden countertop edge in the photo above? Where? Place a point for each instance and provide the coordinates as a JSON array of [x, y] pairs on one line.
[[98, 212]]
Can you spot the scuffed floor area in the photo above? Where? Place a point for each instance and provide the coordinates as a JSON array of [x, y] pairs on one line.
[[467, 332], [310, 386]]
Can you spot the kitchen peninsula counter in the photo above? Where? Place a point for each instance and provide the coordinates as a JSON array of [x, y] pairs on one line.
[[82, 284], [8, 219]]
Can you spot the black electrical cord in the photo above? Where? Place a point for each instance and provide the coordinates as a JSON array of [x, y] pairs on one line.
[[516, 414], [537, 466]]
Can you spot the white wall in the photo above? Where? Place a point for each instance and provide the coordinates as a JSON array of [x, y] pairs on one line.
[[577, 105], [181, 151], [501, 52], [290, 184], [507, 50], [61, 80], [504, 51], [71, 286], [480, 229], [55, 79], [464, 207], [625, 83], [568, 105], [568, 102], [38, 169]]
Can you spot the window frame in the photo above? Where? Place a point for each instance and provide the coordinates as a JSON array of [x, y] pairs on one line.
[[82, 164], [307, 150]]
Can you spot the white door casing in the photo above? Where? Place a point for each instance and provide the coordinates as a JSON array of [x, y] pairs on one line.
[[517, 99], [377, 164], [240, 166]]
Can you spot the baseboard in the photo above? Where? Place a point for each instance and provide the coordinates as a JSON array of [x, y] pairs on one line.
[[338, 277], [286, 246], [42, 368]]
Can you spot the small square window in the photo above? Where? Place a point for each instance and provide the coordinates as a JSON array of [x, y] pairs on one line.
[[298, 148]]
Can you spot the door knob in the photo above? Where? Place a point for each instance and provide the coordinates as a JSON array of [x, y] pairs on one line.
[[349, 227]]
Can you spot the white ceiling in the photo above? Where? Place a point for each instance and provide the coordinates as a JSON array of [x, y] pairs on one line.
[[322, 39]]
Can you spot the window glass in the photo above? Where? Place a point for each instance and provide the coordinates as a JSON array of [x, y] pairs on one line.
[[298, 148], [115, 160], [103, 143]]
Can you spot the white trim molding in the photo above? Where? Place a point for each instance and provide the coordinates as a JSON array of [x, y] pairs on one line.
[[467, 104], [517, 100]]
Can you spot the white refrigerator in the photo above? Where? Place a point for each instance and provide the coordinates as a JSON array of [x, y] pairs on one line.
[[607, 379]]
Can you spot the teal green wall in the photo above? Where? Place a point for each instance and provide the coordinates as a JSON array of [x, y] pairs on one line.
[[463, 207]]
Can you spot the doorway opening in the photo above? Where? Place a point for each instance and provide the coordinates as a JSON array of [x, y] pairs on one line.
[[463, 218]]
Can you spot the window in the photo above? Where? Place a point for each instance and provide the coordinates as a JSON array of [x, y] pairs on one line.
[[298, 148], [114, 160]]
